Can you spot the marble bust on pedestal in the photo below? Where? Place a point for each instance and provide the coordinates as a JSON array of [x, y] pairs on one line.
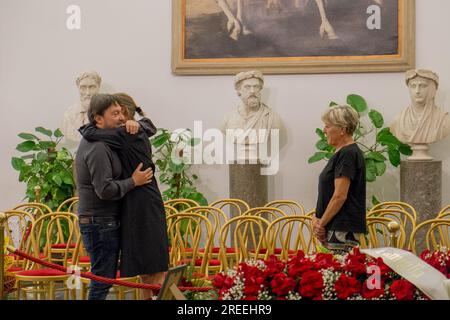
[[422, 123], [252, 121], [88, 84]]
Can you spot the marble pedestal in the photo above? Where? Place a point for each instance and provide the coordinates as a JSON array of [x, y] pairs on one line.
[[247, 183], [421, 187]]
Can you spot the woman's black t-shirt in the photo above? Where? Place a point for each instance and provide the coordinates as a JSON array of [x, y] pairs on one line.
[[348, 162]]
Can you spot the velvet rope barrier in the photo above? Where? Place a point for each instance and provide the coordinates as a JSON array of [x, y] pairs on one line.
[[100, 279]]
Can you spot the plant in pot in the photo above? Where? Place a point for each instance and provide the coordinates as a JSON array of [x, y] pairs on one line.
[[376, 141], [173, 163], [45, 166]]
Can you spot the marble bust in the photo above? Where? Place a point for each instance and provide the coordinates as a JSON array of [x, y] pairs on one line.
[[251, 116], [88, 84], [421, 123]]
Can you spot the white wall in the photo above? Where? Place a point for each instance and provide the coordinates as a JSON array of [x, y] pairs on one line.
[[129, 44]]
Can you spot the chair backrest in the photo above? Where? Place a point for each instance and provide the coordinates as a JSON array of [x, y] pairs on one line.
[[402, 217], [181, 204], [56, 228], [248, 237], [71, 205], [397, 205], [186, 233], [216, 216], [290, 207], [311, 213], [238, 205], [18, 226], [379, 233], [437, 234], [290, 234], [444, 213], [169, 210], [37, 209], [268, 213]]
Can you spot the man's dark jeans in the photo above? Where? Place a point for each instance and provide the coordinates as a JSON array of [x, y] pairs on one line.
[[101, 240]]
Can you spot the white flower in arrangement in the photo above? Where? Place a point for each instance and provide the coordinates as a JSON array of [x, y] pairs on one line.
[[294, 296], [264, 295], [329, 279]]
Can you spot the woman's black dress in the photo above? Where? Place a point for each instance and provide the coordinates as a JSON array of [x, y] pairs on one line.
[[144, 240]]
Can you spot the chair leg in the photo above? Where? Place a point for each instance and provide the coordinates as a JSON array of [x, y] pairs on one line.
[[83, 291], [51, 290], [121, 293]]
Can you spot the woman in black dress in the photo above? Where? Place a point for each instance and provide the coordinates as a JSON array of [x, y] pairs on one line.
[[144, 240]]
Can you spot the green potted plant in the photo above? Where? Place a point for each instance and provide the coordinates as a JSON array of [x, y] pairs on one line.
[[175, 170], [45, 166], [377, 142]]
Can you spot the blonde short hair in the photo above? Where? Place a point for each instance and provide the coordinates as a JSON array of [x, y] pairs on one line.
[[343, 117]]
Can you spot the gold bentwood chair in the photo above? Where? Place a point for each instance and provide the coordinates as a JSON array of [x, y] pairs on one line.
[[169, 210], [383, 232], [217, 218], [248, 236], [37, 209], [17, 229], [437, 235], [444, 213], [397, 205], [402, 217], [39, 280], [188, 232], [236, 207], [71, 205], [287, 235], [181, 204], [288, 206]]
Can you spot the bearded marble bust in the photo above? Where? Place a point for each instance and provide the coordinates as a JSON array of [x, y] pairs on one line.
[[88, 84], [422, 122], [251, 114]]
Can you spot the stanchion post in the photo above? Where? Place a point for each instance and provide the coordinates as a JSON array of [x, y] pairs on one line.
[[2, 255], [37, 193], [393, 228]]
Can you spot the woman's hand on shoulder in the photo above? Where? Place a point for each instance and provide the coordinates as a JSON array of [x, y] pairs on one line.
[[132, 126]]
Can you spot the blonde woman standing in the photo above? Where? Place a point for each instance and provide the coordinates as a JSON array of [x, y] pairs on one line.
[[341, 205]]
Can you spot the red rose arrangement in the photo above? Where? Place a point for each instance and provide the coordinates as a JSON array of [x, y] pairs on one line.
[[322, 276]]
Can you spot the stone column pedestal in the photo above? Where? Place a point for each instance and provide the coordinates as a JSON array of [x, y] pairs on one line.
[[247, 183], [421, 187]]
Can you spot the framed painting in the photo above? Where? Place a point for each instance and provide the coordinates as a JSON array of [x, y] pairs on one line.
[[292, 36]]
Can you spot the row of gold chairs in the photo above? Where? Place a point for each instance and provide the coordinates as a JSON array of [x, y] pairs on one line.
[[204, 237], [389, 224]]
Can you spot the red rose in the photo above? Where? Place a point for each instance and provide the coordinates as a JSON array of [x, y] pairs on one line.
[[347, 286], [252, 285], [311, 284], [325, 261], [219, 281], [372, 293], [402, 290], [356, 265], [273, 266], [282, 284], [297, 267], [228, 283], [251, 298]]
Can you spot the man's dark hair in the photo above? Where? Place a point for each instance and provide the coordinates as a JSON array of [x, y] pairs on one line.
[[100, 102]]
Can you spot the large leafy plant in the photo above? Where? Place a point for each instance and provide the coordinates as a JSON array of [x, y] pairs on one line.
[[45, 166], [379, 145], [174, 166]]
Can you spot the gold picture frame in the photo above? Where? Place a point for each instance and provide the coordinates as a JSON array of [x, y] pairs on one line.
[[192, 53]]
